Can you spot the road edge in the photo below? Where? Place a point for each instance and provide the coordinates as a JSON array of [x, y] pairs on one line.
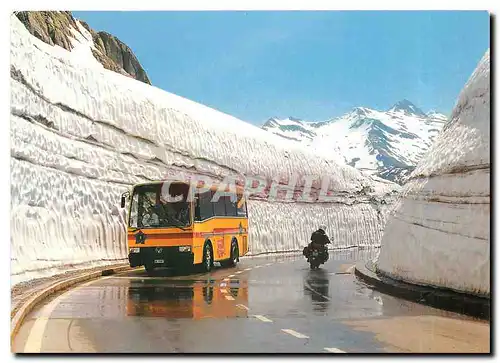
[[445, 299], [26, 307]]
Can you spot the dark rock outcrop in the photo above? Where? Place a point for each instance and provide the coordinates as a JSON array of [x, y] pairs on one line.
[[52, 27], [117, 56], [55, 28]]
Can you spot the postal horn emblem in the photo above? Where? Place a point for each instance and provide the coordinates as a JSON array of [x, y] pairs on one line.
[[140, 237]]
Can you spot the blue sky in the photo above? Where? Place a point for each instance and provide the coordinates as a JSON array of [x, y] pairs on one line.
[[312, 65]]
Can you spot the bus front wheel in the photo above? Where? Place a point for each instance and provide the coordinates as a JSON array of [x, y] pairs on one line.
[[150, 270]]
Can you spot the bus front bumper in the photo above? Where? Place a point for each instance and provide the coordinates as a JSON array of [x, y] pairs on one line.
[[161, 257]]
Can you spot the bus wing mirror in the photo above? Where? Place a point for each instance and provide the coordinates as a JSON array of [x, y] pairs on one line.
[[124, 198]]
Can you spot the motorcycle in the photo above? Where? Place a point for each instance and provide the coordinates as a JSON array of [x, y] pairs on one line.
[[316, 255]]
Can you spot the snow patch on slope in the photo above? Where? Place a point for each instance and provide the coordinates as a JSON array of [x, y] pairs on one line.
[[83, 44]]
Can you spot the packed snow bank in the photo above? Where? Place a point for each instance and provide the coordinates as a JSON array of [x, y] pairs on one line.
[[81, 135], [439, 231], [288, 226]]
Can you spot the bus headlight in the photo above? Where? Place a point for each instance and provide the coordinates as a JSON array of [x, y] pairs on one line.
[[135, 250], [184, 248]]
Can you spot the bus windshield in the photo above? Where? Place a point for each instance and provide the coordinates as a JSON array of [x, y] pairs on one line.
[[149, 208]]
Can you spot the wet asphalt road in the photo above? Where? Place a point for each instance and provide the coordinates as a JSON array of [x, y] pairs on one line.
[[272, 304]]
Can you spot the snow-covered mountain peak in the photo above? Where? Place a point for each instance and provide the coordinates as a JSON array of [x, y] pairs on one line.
[[438, 116], [388, 144], [286, 121], [273, 121], [290, 128], [359, 112], [408, 108]]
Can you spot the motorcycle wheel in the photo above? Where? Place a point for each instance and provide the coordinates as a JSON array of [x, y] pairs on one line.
[[304, 251]]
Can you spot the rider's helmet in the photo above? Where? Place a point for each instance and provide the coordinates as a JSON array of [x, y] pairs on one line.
[[322, 227]]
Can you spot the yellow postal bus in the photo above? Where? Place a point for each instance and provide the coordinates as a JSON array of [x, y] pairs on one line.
[[178, 232]]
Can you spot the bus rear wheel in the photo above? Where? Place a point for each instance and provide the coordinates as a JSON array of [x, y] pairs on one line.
[[208, 257], [235, 256]]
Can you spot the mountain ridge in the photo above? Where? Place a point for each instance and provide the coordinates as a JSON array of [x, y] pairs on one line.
[[388, 143]]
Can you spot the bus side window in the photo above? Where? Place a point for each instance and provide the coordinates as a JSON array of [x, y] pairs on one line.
[[206, 210], [197, 213], [242, 206], [230, 207], [220, 207]]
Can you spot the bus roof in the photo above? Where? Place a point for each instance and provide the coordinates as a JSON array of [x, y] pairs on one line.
[[239, 189]]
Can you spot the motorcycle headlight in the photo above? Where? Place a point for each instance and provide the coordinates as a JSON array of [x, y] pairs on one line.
[[184, 248], [135, 250]]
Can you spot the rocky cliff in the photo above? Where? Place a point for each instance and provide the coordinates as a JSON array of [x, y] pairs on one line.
[[62, 29]]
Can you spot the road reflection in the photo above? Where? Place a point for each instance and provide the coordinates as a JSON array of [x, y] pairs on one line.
[[316, 286], [187, 299]]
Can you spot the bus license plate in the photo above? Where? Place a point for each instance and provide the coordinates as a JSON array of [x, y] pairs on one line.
[[159, 261]]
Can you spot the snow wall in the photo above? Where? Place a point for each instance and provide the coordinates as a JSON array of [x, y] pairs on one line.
[[439, 232], [82, 135]]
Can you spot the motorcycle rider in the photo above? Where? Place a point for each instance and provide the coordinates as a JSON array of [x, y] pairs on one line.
[[319, 239]]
